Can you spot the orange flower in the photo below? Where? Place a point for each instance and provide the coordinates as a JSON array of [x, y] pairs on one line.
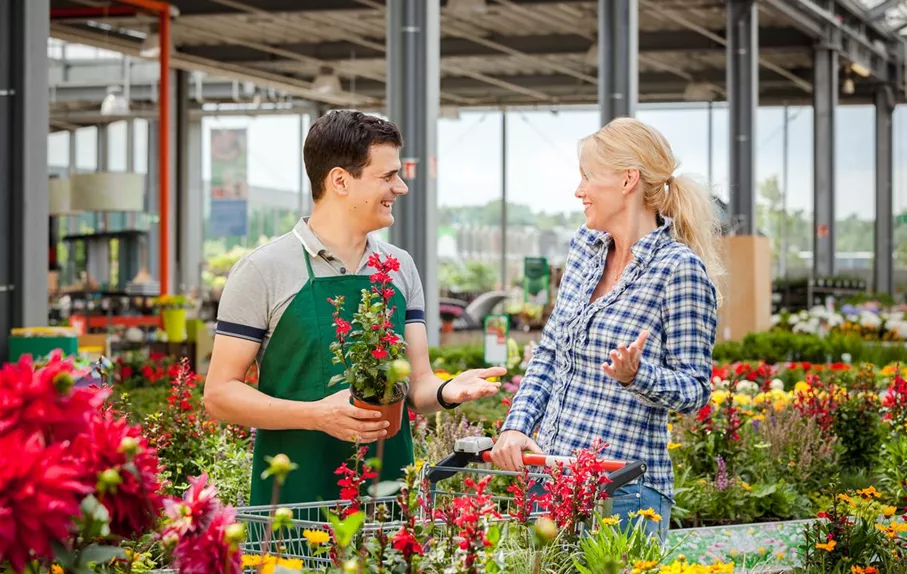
[[828, 547]]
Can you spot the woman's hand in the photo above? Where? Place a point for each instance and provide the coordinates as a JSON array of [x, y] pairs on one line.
[[625, 360], [507, 453]]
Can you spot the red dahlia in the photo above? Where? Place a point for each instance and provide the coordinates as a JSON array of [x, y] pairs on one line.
[[40, 492]]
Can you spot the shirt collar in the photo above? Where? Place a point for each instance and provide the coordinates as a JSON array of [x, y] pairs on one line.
[[642, 250], [315, 247]]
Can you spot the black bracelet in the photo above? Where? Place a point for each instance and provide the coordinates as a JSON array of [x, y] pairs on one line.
[[441, 400]]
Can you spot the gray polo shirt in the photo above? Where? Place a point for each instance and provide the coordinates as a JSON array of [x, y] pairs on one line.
[[263, 283]]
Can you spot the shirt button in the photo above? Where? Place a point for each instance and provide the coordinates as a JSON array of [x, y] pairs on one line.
[[343, 270]]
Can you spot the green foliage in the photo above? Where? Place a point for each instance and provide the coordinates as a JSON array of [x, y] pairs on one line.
[[610, 549], [781, 346], [470, 277]]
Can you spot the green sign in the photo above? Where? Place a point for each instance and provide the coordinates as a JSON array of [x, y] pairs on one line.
[[536, 280], [496, 331], [902, 218]]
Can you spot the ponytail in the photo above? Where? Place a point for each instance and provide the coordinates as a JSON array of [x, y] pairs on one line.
[[696, 225]]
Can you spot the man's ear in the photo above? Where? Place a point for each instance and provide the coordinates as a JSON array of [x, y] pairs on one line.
[[338, 181]]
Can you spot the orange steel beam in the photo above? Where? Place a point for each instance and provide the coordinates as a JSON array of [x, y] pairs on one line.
[[163, 10]]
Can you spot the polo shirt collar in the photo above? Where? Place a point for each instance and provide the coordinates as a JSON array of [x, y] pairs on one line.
[[316, 248]]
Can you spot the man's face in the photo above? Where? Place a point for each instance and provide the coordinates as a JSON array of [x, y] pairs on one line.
[[372, 195]]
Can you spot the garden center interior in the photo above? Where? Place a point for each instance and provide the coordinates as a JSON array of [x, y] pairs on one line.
[[174, 147]]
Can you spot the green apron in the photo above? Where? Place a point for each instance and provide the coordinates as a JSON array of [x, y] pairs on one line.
[[297, 366]]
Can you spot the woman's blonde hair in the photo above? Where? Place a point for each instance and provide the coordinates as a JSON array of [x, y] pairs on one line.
[[627, 143]]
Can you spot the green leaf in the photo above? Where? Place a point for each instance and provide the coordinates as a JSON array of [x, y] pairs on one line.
[[101, 554], [345, 529], [336, 379]]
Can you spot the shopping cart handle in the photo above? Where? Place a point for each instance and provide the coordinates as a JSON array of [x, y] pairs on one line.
[[478, 449]]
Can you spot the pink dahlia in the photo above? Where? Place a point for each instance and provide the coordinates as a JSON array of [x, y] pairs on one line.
[[196, 511], [208, 550]]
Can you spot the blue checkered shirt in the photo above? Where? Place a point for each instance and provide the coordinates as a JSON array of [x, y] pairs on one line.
[[567, 396]]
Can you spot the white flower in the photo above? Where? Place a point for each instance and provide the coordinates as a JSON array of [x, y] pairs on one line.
[[870, 320], [777, 385]]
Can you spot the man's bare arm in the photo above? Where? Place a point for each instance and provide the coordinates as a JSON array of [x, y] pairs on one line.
[[229, 399]]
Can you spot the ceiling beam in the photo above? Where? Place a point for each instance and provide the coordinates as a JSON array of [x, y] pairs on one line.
[[661, 41]]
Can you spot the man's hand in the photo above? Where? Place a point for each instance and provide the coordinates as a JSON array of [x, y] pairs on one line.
[[625, 360], [340, 419], [507, 453], [471, 385]]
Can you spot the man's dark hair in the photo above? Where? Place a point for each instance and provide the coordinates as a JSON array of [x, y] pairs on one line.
[[342, 138]]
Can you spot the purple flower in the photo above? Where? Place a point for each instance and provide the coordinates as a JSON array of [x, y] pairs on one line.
[[721, 481]]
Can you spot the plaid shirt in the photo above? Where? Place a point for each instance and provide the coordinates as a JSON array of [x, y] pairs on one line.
[[567, 395]]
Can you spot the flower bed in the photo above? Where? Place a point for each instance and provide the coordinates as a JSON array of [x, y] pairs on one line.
[[792, 465]]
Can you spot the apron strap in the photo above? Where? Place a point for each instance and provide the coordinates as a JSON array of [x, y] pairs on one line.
[[305, 252]]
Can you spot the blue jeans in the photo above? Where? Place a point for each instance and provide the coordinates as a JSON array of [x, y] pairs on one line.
[[633, 498], [636, 497]]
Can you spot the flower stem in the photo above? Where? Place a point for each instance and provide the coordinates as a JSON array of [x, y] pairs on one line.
[[264, 549]]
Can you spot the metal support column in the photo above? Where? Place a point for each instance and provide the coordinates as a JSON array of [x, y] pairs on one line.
[[152, 203], [305, 186], [181, 174], [413, 90], [23, 166], [618, 46], [743, 99], [504, 199], [883, 262], [825, 100]]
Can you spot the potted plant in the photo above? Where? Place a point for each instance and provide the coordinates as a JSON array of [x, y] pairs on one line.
[[372, 354], [173, 316]]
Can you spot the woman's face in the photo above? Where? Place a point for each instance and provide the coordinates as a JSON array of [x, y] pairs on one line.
[[602, 192]]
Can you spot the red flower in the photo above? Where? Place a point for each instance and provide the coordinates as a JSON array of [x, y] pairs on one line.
[[404, 541], [374, 261], [110, 443], [208, 550], [40, 492], [351, 483], [388, 293], [572, 496], [390, 339], [43, 401], [380, 277], [196, 511], [379, 353], [343, 327], [391, 264]]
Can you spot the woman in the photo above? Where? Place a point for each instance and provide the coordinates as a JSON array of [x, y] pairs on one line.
[[632, 331]]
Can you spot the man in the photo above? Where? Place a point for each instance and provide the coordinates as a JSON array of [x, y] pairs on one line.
[[274, 309]]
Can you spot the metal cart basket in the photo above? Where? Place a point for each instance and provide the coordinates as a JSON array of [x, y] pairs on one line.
[[473, 450]]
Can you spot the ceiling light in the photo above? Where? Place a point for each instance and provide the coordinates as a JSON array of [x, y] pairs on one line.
[[847, 87], [860, 69], [592, 55], [151, 47], [114, 104], [327, 83]]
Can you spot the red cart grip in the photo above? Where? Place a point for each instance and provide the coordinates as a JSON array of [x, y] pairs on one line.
[[551, 460]]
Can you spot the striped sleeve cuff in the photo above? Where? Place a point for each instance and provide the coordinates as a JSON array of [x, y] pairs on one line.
[[240, 331], [415, 316]]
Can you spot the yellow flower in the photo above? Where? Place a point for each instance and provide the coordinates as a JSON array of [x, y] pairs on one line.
[[56, 569], [846, 499], [643, 566], [719, 397], [888, 511], [801, 387], [870, 492], [758, 417], [670, 427], [269, 563], [828, 547], [673, 445], [610, 521], [780, 556], [723, 568], [316, 536], [745, 486], [742, 400], [650, 514]]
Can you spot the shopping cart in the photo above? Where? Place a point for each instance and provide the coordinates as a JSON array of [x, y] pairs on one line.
[[384, 513]]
